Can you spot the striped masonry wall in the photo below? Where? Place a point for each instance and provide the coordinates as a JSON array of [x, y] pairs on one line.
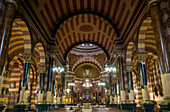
[[137, 81], [16, 77], [20, 40], [33, 94], [130, 52], [39, 52], [150, 43], [149, 69], [142, 34]]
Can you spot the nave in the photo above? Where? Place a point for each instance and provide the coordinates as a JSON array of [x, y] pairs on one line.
[[59, 53]]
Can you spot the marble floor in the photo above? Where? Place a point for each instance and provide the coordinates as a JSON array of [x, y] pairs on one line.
[[86, 110]]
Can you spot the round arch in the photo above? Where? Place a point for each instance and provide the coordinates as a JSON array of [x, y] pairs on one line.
[[85, 12]]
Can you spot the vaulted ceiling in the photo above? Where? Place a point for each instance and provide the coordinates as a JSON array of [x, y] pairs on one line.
[[71, 22]]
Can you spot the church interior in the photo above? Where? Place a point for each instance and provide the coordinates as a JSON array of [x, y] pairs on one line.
[[85, 55]]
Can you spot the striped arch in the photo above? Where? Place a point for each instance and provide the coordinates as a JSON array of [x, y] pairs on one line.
[[129, 53], [12, 74], [87, 60], [11, 67], [142, 34], [150, 43], [85, 28], [20, 40], [39, 53], [33, 80], [154, 78]]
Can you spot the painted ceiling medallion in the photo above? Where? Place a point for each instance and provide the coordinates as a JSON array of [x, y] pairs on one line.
[[86, 28]]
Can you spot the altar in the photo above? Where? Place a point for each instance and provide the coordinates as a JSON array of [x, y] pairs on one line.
[[87, 105]]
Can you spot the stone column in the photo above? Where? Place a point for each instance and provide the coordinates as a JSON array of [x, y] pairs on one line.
[[41, 84], [110, 88], [121, 78], [160, 37], [142, 68], [103, 77], [63, 87], [5, 31], [146, 104], [162, 47], [58, 78], [115, 93], [49, 86], [130, 88], [25, 79], [70, 79]]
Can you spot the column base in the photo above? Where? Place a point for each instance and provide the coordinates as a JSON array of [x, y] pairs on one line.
[[147, 107], [42, 107], [165, 85], [129, 106], [22, 108], [60, 105], [112, 105], [48, 99], [1, 107], [123, 96], [165, 107]]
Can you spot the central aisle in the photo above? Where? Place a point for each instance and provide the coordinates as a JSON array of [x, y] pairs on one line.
[[86, 110]]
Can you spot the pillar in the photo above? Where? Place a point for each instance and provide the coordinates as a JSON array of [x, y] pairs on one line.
[[5, 31], [53, 91], [115, 93], [143, 75], [63, 87], [162, 47], [69, 77], [146, 104], [58, 94], [49, 86], [110, 88], [25, 79], [130, 85], [103, 80], [41, 84], [122, 89]]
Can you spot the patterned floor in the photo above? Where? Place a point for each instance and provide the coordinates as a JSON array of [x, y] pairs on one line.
[[86, 110]]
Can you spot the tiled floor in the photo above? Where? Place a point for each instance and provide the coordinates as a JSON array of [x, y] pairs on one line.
[[86, 110]]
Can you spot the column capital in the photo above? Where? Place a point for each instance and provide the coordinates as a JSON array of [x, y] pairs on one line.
[[70, 74], [129, 68], [13, 2], [142, 56], [41, 69], [28, 58], [151, 2]]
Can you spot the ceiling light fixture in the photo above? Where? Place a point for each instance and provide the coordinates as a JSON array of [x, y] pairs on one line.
[[110, 69], [58, 69]]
